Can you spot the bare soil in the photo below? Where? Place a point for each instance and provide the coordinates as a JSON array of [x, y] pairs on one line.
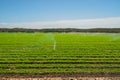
[[65, 78], [60, 76]]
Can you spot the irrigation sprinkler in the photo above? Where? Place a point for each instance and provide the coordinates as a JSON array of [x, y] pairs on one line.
[[54, 47]]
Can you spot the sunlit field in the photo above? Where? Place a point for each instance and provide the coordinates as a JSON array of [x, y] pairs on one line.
[[59, 53]]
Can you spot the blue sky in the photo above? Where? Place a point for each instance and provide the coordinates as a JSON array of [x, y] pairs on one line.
[[47, 10], [23, 11]]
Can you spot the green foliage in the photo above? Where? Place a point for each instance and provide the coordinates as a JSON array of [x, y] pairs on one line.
[[75, 52]]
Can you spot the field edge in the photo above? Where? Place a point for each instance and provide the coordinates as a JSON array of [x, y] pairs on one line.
[[37, 75]]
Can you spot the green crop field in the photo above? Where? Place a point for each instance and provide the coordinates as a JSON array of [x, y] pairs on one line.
[[59, 53]]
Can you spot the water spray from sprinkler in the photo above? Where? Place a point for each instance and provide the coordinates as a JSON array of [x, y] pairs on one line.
[[54, 47]]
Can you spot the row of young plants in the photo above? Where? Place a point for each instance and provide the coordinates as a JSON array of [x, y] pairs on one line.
[[59, 65], [61, 60], [62, 70]]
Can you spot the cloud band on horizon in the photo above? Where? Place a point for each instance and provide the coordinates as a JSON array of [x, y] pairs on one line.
[[113, 22]]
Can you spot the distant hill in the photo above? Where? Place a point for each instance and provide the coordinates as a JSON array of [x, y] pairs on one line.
[[101, 30]]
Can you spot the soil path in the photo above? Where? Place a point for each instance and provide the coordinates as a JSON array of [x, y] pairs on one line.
[[65, 78]]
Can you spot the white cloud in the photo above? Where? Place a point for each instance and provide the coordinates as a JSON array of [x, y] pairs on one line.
[[113, 22]]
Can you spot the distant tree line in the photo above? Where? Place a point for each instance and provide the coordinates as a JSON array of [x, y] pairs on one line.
[[101, 30]]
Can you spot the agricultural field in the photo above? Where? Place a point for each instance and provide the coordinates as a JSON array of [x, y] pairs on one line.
[[33, 53]]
